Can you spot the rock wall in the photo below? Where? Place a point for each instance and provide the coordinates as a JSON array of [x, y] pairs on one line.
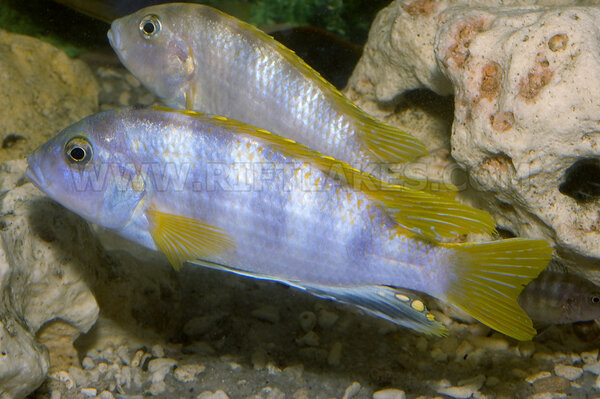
[[524, 76]]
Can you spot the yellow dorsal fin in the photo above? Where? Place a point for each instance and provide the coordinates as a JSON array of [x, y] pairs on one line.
[[488, 278], [183, 239], [428, 215], [387, 143]]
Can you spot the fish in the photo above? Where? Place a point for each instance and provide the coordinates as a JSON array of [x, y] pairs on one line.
[[216, 192], [560, 298], [196, 57]]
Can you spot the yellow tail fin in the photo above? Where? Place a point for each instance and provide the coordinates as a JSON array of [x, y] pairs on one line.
[[490, 276]]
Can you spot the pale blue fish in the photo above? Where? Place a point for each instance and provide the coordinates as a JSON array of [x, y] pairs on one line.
[[205, 189], [195, 57]]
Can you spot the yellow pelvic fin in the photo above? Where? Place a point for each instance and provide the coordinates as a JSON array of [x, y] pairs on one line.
[[183, 239], [428, 215], [488, 278]]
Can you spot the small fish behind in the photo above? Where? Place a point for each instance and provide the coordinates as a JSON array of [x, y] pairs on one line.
[[204, 189], [560, 298]]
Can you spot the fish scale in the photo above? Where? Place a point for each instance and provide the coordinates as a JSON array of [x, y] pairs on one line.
[[218, 193], [201, 59]]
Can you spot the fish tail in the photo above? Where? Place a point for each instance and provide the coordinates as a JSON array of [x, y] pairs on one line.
[[488, 278]]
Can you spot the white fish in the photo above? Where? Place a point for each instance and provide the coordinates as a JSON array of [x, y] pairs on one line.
[[222, 194], [198, 58]]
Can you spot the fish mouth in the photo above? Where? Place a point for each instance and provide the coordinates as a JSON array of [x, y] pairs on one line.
[[34, 174], [114, 41]]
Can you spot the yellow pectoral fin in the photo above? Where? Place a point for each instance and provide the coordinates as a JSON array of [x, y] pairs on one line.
[[183, 239]]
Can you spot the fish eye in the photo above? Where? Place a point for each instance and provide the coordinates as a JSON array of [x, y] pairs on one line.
[[150, 26], [78, 151], [595, 299]]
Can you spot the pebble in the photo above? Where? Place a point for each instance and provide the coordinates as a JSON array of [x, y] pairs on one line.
[[302, 393], [490, 343], [125, 98], [327, 319], [272, 369], [268, 313], [597, 383], [351, 391], [389, 394], [571, 373], [161, 364], [89, 392], [309, 339], [590, 357], [137, 358], [88, 363], [551, 384], [146, 99], [156, 388], [457, 392], [158, 350], [593, 368], [55, 395], [106, 395], [210, 395], [294, 372], [526, 349], [334, 357], [188, 372], [308, 320], [124, 355], [66, 379], [270, 393], [159, 368], [537, 376], [547, 395]]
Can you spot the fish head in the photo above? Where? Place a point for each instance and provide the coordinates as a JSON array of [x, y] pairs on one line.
[[589, 304], [87, 169], [152, 43]]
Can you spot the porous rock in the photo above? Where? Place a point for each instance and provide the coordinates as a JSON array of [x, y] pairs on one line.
[[43, 90], [54, 274], [525, 103], [41, 285]]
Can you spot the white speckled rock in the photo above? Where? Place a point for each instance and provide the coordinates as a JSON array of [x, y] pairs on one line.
[[38, 281], [525, 106], [525, 111]]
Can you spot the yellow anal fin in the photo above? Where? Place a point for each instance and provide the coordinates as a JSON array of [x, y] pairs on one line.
[[183, 239], [389, 144], [434, 217], [488, 278]]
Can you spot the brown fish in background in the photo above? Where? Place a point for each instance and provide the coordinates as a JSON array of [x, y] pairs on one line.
[[560, 298]]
